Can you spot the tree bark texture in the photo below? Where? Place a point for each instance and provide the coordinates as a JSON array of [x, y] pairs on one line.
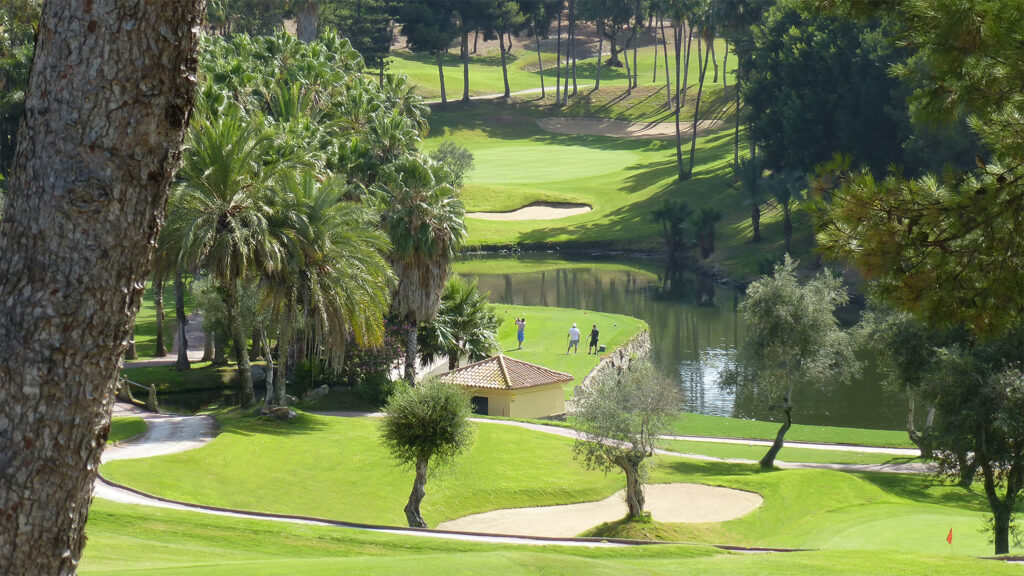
[[307, 20], [1002, 509], [105, 113], [768, 461], [634, 489], [412, 507], [181, 363], [158, 304]]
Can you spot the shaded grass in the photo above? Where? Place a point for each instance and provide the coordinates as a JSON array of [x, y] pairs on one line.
[[202, 376], [723, 427], [123, 428]]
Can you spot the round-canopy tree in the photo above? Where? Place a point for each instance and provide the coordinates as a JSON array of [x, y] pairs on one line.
[[620, 416], [423, 424]]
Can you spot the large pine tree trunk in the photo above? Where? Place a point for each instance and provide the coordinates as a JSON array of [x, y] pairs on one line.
[[181, 363], [307, 20], [158, 303], [412, 507], [105, 112]]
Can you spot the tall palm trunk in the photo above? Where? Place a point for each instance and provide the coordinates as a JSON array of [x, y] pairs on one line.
[[181, 363], [284, 346], [504, 65], [268, 357], [208, 347], [158, 303], [636, 42], [668, 79], [465, 66], [677, 41], [572, 44], [540, 67], [686, 66], [696, 107], [77, 241], [725, 66], [558, 61], [239, 343], [600, 52], [307, 20], [736, 134], [219, 349], [629, 71], [654, 68], [410, 351], [787, 224], [440, 75]]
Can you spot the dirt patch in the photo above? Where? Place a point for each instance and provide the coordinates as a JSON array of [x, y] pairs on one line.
[[622, 128], [535, 211], [666, 502]]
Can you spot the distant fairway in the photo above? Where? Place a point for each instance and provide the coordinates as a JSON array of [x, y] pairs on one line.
[[533, 161]]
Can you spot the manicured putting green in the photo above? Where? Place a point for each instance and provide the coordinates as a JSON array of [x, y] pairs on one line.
[[531, 161]]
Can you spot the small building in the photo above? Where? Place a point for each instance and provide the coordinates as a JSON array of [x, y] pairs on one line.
[[503, 386]]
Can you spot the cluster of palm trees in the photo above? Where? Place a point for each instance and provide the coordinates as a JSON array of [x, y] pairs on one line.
[[302, 186]]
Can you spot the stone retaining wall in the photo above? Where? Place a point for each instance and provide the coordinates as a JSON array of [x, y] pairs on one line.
[[637, 347]]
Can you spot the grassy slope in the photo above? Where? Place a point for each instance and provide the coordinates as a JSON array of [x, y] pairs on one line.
[[485, 71], [547, 334], [124, 428], [126, 539], [344, 473]]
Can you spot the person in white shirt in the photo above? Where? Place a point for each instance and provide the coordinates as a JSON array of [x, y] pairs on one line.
[[574, 340]]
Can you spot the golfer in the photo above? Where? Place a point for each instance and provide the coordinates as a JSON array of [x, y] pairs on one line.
[[574, 340]]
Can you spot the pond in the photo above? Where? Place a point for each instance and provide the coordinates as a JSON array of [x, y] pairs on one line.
[[695, 330]]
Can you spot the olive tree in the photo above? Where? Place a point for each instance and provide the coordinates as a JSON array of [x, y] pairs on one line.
[[619, 416], [424, 424], [793, 339]]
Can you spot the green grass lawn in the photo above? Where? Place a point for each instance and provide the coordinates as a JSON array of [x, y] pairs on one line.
[[202, 376], [622, 180], [123, 428], [541, 262], [722, 427], [787, 454], [547, 332], [133, 539], [485, 75], [335, 467]]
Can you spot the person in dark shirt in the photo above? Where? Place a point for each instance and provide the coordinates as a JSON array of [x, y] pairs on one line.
[[594, 333]]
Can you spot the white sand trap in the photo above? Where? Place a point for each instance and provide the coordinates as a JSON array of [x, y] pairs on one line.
[[535, 211], [666, 503], [621, 128]]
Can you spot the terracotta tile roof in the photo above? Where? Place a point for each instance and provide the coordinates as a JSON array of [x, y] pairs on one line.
[[503, 373]]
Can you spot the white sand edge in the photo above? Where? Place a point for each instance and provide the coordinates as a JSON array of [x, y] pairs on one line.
[[621, 128], [679, 502], [535, 211]]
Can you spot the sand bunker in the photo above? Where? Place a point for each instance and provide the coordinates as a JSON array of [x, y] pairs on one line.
[[621, 128], [535, 211], [666, 503]]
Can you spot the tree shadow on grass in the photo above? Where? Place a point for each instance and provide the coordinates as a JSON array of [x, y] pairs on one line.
[[238, 422], [925, 490]]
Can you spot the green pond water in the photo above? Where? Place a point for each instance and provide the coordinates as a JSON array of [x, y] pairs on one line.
[[695, 331]]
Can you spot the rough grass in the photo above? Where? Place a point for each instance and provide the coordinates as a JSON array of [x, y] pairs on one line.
[[123, 428]]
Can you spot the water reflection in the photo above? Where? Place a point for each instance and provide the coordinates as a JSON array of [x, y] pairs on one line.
[[695, 329]]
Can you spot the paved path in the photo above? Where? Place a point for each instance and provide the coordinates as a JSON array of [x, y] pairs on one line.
[[196, 343]]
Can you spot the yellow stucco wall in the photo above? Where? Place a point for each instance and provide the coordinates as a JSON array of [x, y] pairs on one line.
[[538, 402], [527, 403]]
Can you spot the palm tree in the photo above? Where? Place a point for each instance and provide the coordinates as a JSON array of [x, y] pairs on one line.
[[422, 214], [335, 279], [749, 172], [218, 216], [466, 324]]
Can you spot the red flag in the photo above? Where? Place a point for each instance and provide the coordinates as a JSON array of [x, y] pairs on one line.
[[949, 537]]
